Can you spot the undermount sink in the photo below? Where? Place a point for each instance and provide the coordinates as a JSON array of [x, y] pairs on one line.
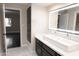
[[62, 43]]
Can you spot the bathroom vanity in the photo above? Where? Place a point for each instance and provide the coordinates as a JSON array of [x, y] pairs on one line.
[[47, 45], [63, 32], [43, 50]]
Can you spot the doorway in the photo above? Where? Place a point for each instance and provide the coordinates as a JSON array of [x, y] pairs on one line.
[[29, 24], [12, 24], [77, 22]]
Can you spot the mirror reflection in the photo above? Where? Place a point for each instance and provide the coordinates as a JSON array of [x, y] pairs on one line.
[[8, 22], [66, 19]]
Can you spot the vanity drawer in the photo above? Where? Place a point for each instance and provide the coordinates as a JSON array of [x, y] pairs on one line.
[[52, 52], [45, 53], [38, 50], [43, 50], [38, 42]]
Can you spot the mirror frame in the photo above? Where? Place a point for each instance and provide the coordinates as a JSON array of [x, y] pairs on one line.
[[61, 9]]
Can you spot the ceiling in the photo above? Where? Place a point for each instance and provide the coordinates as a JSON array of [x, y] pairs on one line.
[[17, 4], [39, 4], [44, 4], [23, 3]]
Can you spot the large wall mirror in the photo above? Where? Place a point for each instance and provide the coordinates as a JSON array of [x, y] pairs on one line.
[[66, 19]]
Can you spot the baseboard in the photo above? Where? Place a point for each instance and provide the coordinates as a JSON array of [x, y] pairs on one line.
[[27, 44], [2, 53], [23, 45]]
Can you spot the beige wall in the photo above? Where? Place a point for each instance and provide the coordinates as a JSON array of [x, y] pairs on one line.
[[39, 21], [56, 6], [23, 20]]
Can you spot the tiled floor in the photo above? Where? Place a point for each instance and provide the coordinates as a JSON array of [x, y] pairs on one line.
[[21, 51]]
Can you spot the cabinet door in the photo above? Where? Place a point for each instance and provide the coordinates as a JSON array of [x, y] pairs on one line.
[[39, 42], [43, 50], [50, 51], [45, 53], [38, 50]]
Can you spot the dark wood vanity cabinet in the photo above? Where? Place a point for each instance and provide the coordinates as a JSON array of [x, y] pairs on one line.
[[38, 50], [43, 50]]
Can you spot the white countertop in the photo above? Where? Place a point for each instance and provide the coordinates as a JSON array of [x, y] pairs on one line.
[[55, 48]]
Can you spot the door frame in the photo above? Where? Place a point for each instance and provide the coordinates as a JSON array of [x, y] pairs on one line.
[[3, 31], [20, 21], [4, 27]]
